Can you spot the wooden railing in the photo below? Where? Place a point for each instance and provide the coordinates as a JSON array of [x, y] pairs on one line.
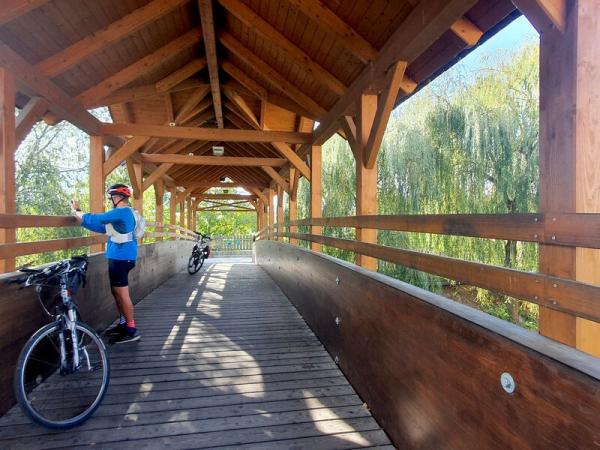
[[14, 221], [571, 230], [231, 243]]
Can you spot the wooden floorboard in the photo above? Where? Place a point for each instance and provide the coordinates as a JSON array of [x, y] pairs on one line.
[[225, 362]]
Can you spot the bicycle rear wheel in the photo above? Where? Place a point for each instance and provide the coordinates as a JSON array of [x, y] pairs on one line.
[[55, 397]]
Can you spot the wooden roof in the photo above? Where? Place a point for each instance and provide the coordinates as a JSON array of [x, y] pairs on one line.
[[263, 65]]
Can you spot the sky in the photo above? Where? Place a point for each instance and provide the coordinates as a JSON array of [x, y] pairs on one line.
[[514, 36]]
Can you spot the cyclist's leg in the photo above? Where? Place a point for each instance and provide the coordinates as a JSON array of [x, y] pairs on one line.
[[120, 287], [114, 275]]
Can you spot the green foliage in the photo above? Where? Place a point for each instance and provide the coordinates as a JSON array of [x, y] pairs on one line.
[[458, 146]]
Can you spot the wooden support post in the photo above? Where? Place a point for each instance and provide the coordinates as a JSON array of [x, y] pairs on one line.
[[159, 192], [258, 213], [293, 205], [182, 213], [173, 209], [190, 204], [97, 190], [7, 160], [271, 211], [138, 193], [569, 155], [315, 192], [293, 216], [280, 209], [366, 178]]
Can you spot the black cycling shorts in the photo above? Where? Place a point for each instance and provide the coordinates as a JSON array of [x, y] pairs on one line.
[[118, 271]]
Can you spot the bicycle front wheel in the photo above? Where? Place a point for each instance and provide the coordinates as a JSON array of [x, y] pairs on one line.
[[55, 393], [195, 263]]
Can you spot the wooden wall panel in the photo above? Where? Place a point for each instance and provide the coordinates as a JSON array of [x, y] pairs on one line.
[[22, 314], [429, 368]]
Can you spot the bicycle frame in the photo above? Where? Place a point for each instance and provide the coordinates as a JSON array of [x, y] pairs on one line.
[[67, 319]]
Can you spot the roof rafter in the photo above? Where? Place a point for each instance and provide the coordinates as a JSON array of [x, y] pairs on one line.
[[210, 46], [120, 29], [544, 14], [33, 82], [13, 9], [143, 92], [423, 26], [181, 74], [266, 30], [274, 77], [133, 71]]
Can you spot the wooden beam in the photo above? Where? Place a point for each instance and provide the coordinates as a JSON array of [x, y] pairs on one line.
[[269, 73], [266, 30], [366, 177], [116, 31], [569, 152], [210, 46], [241, 104], [423, 26], [544, 14], [239, 161], [467, 31], [143, 92], [140, 67], [315, 191], [169, 110], [61, 103], [29, 116], [159, 195], [244, 79], [349, 127], [181, 74], [205, 134], [192, 101], [385, 103], [283, 149], [96, 181], [277, 178], [138, 194], [329, 22], [287, 152], [226, 197], [8, 148], [130, 147], [156, 175], [13, 9], [136, 183]]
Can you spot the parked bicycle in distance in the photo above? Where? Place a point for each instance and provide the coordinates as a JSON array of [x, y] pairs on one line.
[[63, 371], [200, 252]]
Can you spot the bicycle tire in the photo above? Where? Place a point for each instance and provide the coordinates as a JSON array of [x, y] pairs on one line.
[[195, 263], [41, 390]]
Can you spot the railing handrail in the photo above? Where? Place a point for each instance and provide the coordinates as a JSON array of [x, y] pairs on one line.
[[14, 221], [567, 229], [571, 230]]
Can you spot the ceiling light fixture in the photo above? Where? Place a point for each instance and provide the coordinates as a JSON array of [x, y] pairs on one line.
[[218, 150]]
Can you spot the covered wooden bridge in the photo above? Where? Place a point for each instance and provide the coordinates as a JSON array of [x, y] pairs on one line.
[[243, 93]]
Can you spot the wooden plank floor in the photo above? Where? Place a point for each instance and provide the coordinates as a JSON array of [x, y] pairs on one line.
[[225, 361]]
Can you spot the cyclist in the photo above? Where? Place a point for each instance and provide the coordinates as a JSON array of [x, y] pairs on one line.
[[121, 251]]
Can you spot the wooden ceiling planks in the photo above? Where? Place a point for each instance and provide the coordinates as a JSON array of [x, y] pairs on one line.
[[274, 59]]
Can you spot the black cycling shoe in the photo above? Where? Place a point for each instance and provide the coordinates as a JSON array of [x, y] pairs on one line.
[[116, 330], [125, 338]]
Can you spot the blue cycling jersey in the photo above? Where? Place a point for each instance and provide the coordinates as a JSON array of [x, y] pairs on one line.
[[123, 221]]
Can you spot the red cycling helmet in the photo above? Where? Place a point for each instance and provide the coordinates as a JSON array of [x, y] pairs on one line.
[[119, 189]]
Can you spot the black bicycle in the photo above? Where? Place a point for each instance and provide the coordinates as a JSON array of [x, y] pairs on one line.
[[200, 252], [63, 371]]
